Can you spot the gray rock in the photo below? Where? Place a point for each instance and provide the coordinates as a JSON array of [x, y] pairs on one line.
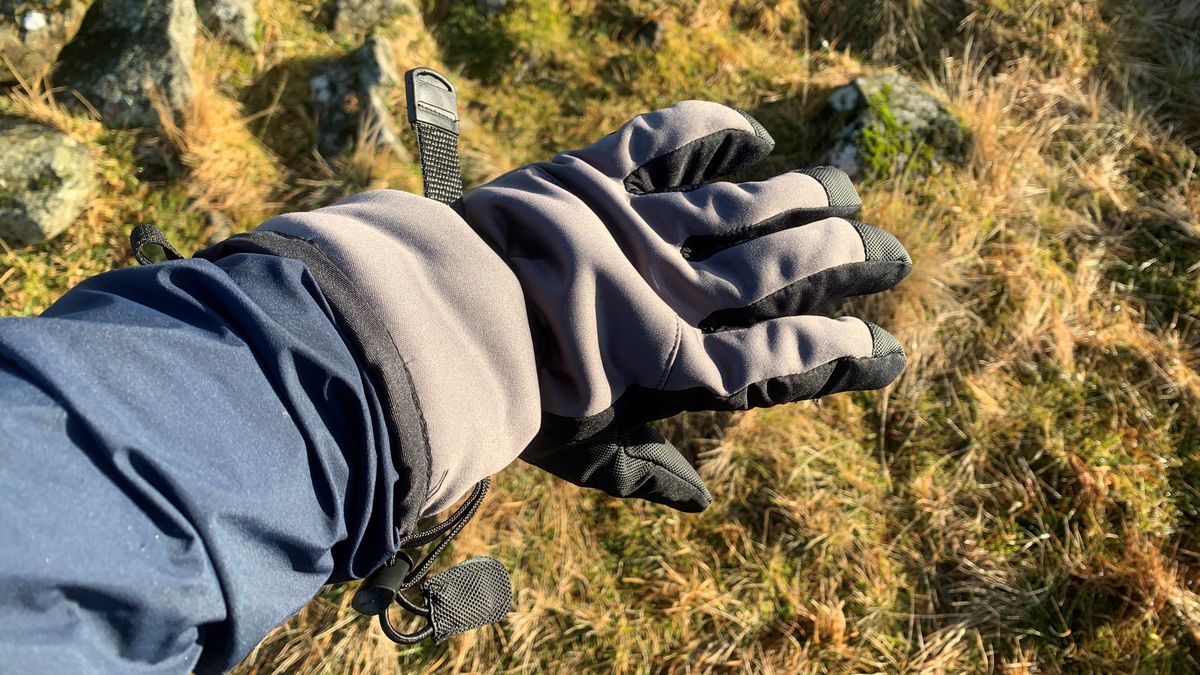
[[349, 98], [233, 20], [32, 32], [888, 124], [127, 52], [46, 180], [357, 17], [493, 7]]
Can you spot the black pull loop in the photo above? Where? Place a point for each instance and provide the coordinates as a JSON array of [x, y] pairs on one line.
[[469, 595], [150, 245], [396, 636], [444, 610], [433, 114], [473, 593]]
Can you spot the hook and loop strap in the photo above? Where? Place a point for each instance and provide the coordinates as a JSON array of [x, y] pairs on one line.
[[433, 113]]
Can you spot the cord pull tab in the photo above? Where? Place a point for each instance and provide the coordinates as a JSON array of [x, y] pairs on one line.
[[471, 594]]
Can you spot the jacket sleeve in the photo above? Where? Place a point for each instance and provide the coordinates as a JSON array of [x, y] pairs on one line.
[[188, 451]]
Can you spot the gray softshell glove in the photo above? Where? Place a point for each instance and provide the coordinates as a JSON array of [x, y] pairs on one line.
[[654, 291], [611, 286]]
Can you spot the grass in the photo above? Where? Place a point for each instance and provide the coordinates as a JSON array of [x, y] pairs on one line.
[[1025, 499]]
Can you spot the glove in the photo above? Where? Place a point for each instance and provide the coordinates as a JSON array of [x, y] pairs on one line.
[[610, 287], [654, 291]]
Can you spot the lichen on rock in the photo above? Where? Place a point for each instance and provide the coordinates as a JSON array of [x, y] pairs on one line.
[[32, 32], [349, 99], [46, 181], [887, 124], [233, 20], [357, 17], [127, 53]]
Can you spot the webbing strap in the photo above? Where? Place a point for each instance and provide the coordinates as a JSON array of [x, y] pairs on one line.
[[433, 113], [438, 149]]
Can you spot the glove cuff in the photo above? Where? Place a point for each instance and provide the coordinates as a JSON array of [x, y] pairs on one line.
[[369, 340], [453, 313]]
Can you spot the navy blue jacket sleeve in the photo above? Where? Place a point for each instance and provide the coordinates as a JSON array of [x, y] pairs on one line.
[[188, 451]]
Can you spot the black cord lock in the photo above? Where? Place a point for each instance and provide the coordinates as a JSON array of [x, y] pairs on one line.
[[469, 595]]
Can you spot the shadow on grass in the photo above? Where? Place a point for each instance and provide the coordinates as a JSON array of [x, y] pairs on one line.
[[283, 119]]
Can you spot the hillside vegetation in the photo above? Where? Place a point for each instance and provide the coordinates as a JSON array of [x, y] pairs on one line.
[[1025, 499]]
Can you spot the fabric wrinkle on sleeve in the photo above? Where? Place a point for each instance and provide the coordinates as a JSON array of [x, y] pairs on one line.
[[189, 452]]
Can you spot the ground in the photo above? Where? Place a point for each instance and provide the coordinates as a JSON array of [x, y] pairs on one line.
[[1025, 499]]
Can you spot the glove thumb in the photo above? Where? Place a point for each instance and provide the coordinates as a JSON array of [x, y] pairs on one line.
[[635, 463]]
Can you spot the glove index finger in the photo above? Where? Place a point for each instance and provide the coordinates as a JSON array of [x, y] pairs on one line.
[[679, 148]]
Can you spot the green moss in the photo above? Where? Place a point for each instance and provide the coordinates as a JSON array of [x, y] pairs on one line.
[[892, 147]]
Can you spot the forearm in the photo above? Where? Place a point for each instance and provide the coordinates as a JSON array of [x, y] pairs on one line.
[[188, 451]]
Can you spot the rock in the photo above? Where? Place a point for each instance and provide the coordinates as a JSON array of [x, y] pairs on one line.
[[649, 35], [493, 7], [233, 20], [32, 32], [357, 17], [349, 98], [46, 180], [887, 124], [127, 52]]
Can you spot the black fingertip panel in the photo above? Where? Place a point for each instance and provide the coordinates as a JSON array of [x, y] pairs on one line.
[[698, 162], [810, 293]]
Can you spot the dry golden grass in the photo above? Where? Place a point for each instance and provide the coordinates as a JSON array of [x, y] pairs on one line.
[[1025, 499]]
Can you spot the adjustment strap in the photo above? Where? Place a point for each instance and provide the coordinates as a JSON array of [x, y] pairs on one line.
[[433, 113]]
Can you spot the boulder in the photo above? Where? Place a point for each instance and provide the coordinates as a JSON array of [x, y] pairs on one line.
[[46, 180], [126, 53], [887, 124], [357, 17], [233, 20], [32, 32], [350, 99]]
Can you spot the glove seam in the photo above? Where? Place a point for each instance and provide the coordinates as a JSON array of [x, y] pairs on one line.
[[703, 246], [824, 188], [672, 357], [625, 182], [629, 408]]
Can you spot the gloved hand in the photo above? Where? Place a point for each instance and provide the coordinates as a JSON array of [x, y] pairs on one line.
[[655, 291], [616, 286]]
